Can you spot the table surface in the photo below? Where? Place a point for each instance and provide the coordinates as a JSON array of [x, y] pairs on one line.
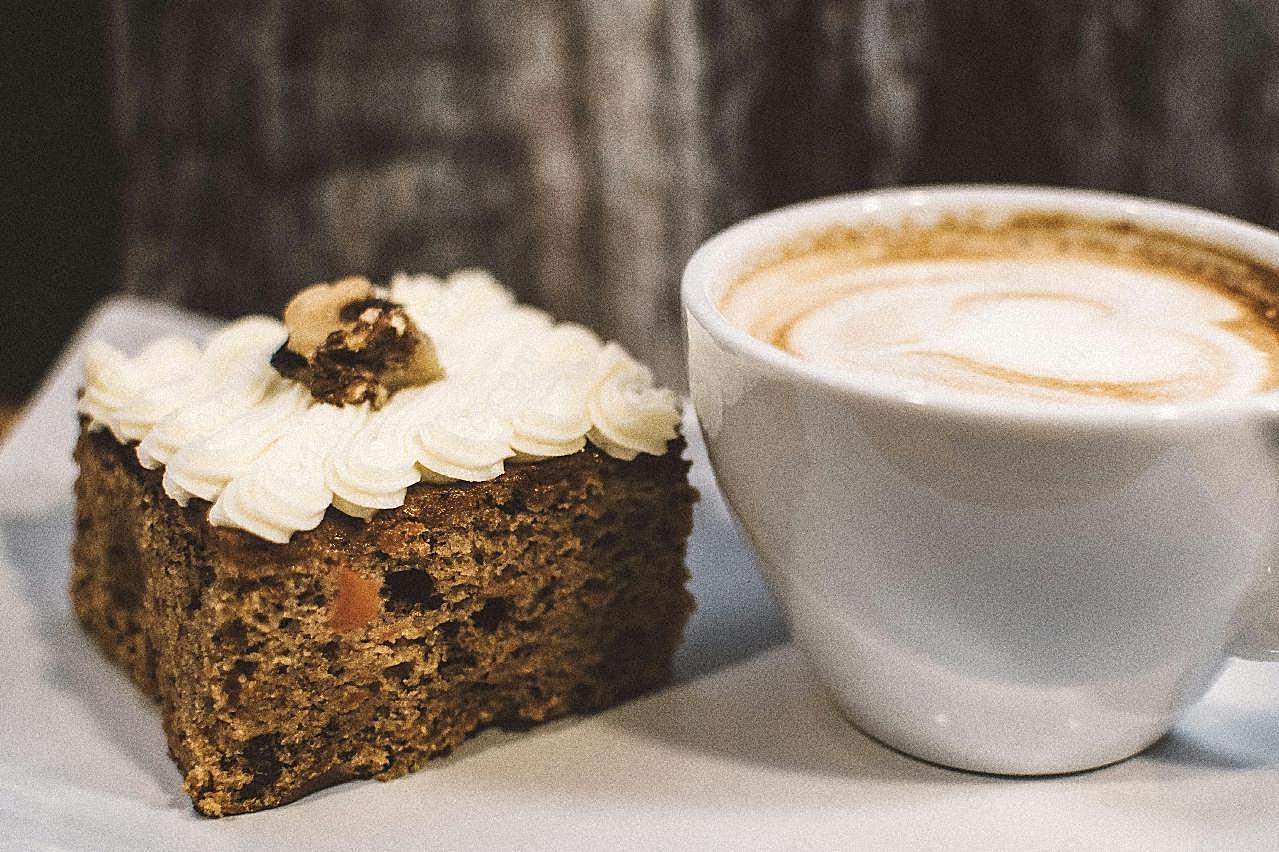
[[742, 751]]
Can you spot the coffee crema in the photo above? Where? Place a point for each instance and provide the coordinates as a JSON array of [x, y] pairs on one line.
[[1039, 306]]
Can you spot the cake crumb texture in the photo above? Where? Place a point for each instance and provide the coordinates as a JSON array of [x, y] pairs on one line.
[[362, 649]]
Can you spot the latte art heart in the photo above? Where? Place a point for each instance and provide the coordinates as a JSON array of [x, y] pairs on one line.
[[1047, 329], [1077, 329]]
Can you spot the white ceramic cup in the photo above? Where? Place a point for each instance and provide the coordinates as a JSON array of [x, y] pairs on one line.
[[999, 586]]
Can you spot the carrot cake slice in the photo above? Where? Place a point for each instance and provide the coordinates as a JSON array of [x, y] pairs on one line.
[[336, 546]]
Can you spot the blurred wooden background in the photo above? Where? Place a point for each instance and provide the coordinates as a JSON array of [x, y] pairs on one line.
[[582, 148]]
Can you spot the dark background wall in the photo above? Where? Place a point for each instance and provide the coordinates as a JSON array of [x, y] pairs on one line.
[[58, 241], [221, 154]]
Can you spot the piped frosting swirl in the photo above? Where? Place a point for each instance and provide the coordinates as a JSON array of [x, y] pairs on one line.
[[271, 459]]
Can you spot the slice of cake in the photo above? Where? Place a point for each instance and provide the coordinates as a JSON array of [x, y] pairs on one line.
[[335, 547]]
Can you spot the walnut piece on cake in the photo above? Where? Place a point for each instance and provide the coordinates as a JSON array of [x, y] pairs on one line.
[[349, 346]]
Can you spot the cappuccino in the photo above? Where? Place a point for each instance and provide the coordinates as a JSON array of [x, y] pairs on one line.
[[1037, 306]]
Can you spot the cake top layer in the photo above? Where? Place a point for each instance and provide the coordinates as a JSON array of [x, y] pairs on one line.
[[271, 458]]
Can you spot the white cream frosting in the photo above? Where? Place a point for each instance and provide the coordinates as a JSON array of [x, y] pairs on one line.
[[270, 459]]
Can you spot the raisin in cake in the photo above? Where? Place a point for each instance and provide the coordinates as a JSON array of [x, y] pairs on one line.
[[335, 547]]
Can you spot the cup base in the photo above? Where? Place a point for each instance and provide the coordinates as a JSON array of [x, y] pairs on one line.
[[974, 761]]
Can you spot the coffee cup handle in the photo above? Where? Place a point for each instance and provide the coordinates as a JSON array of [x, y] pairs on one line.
[[1257, 634]]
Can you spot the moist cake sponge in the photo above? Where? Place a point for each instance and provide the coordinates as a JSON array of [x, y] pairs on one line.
[[363, 648]]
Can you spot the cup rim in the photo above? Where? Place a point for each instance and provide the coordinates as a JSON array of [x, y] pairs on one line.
[[738, 239]]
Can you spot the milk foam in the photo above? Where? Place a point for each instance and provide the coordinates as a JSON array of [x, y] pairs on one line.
[[1050, 328]]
